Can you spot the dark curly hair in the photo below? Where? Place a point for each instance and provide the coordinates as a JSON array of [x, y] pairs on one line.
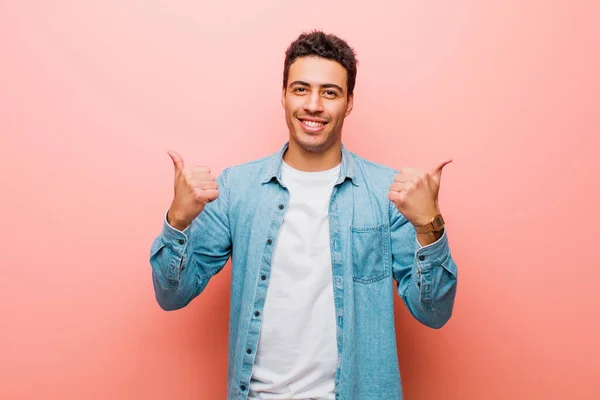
[[320, 44]]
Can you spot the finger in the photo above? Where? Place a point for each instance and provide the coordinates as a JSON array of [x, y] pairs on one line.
[[402, 186], [178, 164], [202, 169], [206, 185], [437, 171], [404, 178], [396, 197], [212, 195], [201, 176], [410, 171], [408, 174]]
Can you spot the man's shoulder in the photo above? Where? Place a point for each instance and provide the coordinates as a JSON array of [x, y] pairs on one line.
[[252, 164], [372, 168], [250, 170]]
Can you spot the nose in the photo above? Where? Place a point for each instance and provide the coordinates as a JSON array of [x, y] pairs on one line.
[[313, 103]]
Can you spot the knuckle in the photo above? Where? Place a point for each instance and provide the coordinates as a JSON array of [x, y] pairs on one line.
[[198, 194], [187, 174], [192, 183]]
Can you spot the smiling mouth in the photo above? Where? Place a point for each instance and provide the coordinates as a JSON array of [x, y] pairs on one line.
[[312, 124]]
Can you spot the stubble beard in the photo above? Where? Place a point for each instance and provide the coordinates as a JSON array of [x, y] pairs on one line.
[[321, 147]]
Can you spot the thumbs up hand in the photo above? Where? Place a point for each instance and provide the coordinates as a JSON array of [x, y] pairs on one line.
[[194, 187], [415, 193]]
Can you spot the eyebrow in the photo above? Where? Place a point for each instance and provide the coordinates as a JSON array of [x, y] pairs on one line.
[[325, 85]]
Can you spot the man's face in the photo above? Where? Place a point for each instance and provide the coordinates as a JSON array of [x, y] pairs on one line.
[[316, 102]]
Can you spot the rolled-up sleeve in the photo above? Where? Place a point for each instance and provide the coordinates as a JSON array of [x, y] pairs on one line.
[[426, 275], [184, 261]]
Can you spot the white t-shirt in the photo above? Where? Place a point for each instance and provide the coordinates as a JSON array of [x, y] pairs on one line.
[[297, 349]]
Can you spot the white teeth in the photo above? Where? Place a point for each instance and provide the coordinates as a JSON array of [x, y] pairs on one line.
[[313, 124]]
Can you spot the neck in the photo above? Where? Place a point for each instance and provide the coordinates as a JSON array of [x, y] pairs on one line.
[[311, 161]]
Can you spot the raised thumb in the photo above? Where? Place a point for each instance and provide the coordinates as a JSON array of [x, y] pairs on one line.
[[437, 171], [177, 161]]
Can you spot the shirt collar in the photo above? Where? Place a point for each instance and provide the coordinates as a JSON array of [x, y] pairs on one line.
[[347, 169]]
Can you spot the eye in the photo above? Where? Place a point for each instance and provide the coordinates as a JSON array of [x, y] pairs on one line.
[[299, 90], [330, 93]]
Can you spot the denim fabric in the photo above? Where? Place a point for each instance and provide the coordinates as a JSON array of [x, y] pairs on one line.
[[372, 246]]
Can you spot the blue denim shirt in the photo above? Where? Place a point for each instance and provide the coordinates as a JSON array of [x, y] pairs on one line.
[[372, 246]]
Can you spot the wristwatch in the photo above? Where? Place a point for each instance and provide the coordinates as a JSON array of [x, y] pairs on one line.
[[436, 225]]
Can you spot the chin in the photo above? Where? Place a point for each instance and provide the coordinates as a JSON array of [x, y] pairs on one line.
[[307, 142]]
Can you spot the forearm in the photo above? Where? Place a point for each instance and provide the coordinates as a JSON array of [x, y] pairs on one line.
[[175, 284], [428, 286], [175, 295], [430, 294], [177, 221], [187, 254]]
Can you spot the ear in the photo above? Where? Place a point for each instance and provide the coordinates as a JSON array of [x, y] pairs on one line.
[[283, 97], [350, 104]]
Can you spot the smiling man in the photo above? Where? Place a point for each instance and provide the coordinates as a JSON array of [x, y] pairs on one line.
[[317, 236]]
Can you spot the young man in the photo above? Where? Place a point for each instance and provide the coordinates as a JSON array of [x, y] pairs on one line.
[[317, 235]]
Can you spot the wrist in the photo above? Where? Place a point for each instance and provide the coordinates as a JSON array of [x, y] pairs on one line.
[[434, 224], [429, 238], [426, 217], [177, 221]]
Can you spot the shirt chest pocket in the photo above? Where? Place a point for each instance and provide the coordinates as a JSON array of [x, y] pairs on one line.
[[370, 253]]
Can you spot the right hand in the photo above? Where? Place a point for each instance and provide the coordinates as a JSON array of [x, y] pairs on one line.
[[195, 187]]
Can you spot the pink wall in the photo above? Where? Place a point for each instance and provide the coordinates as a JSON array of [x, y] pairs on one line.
[[92, 96]]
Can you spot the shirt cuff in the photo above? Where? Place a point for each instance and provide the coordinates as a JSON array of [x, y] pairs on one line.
[[427, 259], [176, 241], [434, 253], [172, 236]]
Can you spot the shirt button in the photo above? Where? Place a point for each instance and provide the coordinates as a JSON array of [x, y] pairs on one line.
[[181, 241], [243, 387], [257, 313], [269, 241], [264, 277], [338, 282], [281, 206], [249, 351], [421, 258]]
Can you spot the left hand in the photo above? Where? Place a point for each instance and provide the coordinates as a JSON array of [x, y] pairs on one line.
[[415, 193]]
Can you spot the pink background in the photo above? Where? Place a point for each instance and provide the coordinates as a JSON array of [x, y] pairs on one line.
[[93, 94]]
